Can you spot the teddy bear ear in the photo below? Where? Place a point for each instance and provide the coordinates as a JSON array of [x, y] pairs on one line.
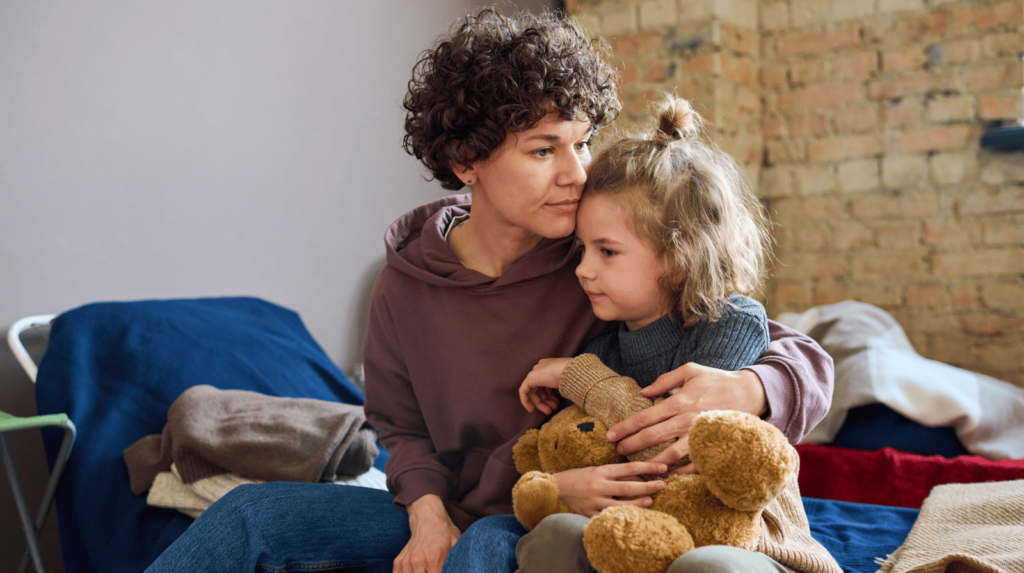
[[526, 452]]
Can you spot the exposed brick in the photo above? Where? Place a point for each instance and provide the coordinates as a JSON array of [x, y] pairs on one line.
[[1003, 233], [987, 17], [657, 14], [777, 182], [877, 293], [810, 71], [907, 112], [995, 46], [904, 171], [636, 45], [810, 124], [926, 295], [912, 58], [852, 9], [849, 236], [931, 321], [775, 16], [1001, 106], [618, 19], [814, 179], [984, 202], [953, 166], [962, 297], [901, 205], [774, 75], [884, 262], [995, 76], [942, 109], [1002, 168], [818, 42], [740, 69], [738, 40], [783, 151], [858, 175], [914, 83], [945, 234], [845, 37], [793, 293], [856, 66], [806, 13], [900, 5], [857, 119], [951, 349], [899, 236], [706, 63], [1003, 295], [657, 70], [848, 147], [959, 52], [828, 291], [806, 266], [812, 239], [987, 262], [805, 209], [821, 95], [774, 127], [936, 138], [988, 324], [629, 73], [1000, 355]]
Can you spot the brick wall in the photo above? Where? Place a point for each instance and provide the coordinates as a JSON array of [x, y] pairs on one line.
[[859, 122]]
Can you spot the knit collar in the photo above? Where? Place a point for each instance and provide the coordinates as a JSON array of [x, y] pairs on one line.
[[653, 340]]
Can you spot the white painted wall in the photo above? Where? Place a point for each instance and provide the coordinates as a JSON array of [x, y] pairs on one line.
[[185, 148]]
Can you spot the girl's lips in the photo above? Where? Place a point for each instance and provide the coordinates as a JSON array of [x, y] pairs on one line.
[[593, 295]]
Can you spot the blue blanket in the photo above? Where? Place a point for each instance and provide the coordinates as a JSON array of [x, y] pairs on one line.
[[115, 369]]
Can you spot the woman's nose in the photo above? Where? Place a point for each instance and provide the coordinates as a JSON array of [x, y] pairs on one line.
[[574, 171]]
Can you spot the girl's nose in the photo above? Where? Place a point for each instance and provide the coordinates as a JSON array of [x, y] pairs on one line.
[[583, 270]]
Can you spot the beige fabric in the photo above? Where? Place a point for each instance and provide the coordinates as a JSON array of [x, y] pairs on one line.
[[191, 499], [976, 527], [785, 531]]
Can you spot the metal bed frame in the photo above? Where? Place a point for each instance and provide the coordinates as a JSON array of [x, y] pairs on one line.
[[10, 423]]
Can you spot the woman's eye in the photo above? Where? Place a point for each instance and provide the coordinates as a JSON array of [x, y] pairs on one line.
[[583, 145], [543, 152]]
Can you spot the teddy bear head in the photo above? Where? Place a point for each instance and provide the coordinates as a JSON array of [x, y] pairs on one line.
[[570, 439]]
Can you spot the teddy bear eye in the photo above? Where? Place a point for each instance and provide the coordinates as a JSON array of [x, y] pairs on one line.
[[556, 444], [586, 427]]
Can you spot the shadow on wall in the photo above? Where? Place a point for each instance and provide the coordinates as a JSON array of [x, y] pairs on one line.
[[356, 335]]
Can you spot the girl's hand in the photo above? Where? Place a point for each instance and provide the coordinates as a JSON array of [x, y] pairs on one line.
[[589, 490], [701, 388], [433, 535], [538, 390]]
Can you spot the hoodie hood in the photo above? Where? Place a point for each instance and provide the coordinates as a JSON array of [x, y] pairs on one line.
[[416, 247]]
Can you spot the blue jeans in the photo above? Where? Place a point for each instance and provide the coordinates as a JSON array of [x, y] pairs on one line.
[[285, 526]]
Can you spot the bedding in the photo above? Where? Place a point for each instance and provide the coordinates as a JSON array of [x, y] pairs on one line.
[[115, 368]]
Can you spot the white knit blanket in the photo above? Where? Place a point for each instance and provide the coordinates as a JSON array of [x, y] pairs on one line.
[[976, 527]]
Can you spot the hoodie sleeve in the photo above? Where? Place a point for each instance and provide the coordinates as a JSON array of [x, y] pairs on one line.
[[798, 378], [413, 468]]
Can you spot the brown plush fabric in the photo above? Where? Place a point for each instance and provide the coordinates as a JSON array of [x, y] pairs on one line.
[[211, 431], [975, 527]]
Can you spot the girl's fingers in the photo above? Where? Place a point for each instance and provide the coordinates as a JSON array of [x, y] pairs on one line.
[[635, 488], [636, 469]]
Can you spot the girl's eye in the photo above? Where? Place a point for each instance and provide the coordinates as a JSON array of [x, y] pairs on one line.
[[608, 252]]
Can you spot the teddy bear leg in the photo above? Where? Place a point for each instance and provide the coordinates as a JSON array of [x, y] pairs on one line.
[[534, 497], [628, 539]]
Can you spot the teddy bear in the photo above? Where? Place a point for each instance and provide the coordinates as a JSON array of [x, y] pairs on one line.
[[742, 464]]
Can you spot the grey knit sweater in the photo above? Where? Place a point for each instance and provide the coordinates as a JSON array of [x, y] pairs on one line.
[[735, 340]]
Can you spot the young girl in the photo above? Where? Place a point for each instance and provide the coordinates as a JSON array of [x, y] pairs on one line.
[[674, 241]]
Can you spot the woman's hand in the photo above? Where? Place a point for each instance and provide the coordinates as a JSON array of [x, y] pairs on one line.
[[700, 389], [433, 535], [589, 490], [538, 390]]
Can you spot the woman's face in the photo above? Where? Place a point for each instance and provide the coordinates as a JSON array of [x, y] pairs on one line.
[[534, 180]]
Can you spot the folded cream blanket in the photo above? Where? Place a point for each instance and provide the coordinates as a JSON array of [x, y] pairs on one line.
[[977, 527], [211, 432]]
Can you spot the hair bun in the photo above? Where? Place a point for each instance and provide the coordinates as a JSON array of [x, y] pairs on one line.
[[677, 120]]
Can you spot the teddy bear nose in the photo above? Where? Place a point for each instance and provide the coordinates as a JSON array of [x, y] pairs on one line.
[[586, 427]]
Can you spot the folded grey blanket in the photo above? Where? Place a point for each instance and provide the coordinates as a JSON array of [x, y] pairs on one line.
[[268, 438], [976, 527]]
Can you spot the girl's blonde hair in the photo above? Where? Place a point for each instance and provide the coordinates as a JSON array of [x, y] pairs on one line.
[[689, 200]]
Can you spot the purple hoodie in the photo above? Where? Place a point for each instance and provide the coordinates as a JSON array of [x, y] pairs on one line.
[[447, 348]]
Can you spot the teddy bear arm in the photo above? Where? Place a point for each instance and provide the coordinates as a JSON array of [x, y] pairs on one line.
[[534, 497]]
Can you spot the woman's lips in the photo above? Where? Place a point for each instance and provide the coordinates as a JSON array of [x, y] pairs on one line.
[[568, 206]]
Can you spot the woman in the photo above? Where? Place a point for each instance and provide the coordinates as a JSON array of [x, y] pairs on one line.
[[476, 290]]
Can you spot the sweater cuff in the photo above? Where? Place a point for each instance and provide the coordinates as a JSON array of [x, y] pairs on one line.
[[580, 375], [416, 483]]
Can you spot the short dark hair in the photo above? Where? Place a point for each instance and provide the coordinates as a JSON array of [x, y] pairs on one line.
[[494, 74]]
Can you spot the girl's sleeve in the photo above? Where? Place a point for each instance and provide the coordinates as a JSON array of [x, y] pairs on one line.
[[798, 377], [413, 468], [735, 340]]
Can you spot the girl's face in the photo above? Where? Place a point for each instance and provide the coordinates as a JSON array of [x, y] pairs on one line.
[[619, 271], [534, 180]]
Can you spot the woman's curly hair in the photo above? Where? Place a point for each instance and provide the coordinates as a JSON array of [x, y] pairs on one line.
[[494, 74], [690, 201]]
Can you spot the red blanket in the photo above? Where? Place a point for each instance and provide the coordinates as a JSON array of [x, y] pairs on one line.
[[891, 477]]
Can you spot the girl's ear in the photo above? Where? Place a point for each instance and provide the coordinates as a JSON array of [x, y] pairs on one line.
[[526, 452], [464, 173]]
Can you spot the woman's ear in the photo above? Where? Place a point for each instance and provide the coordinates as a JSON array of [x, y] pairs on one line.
[[526, 452]]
